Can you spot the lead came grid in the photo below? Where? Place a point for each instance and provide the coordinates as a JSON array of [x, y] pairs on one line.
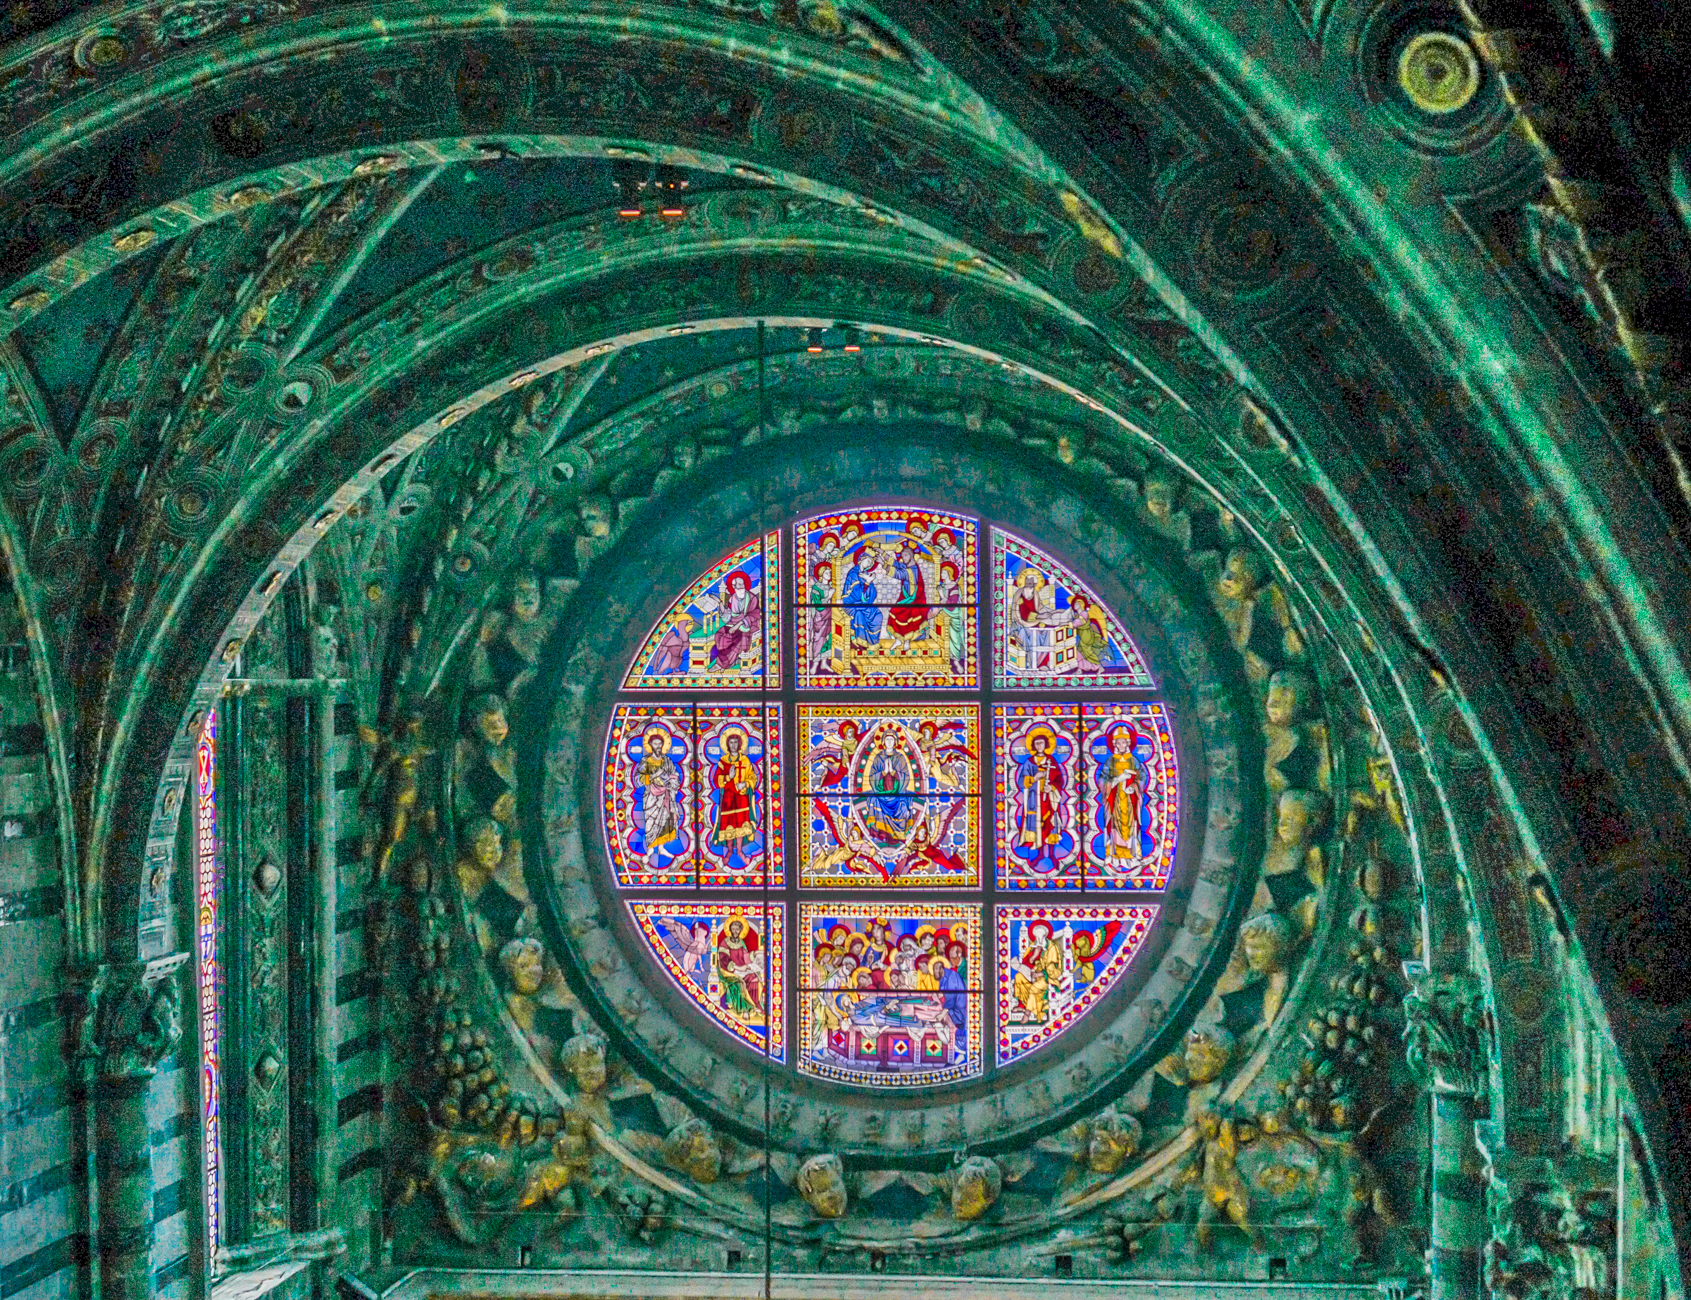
[[918, 919]]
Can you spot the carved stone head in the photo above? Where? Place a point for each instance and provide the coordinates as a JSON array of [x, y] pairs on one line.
[[1208, 1050], [486, 843], [1241, 575], [1111, 1141], [821, 1181], [693, 1149], [1300, 815], [524, 961], [1266, 938], [584, 1057], [595, 516], [1290, 693], [487, 716], [525, 594], [1161, 492], [976, 1186]]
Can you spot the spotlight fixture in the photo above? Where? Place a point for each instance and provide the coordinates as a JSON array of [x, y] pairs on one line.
[[853, 337], [630, 179], [814, 343]]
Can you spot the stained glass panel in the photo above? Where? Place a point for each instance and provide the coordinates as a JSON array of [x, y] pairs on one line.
[[890, 993], [724, 632], [886, 597], [889, 795], [1055, 963], [650, 795], [727, 959], [738, 784], [1049, 627], [1038, 784], [207, 881], [1132, 796]]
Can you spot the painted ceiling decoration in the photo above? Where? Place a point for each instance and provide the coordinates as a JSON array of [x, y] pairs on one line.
[[1007, 640]]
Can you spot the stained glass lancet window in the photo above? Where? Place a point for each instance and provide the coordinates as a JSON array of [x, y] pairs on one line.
[[1032, 799], [206, 878]]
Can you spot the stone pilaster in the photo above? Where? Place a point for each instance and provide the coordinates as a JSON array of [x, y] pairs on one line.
[[131, 1020], [1447, 1042]]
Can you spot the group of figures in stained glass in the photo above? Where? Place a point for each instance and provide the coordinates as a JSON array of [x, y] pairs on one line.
[[887, 796]]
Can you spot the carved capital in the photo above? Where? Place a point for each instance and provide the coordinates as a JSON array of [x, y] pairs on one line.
[[130, 1016], [1447, 1037]]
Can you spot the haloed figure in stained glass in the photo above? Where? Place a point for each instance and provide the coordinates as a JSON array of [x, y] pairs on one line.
[[741, 969], [657, 781], [735, 780], [1123, 781], [1041, 778]]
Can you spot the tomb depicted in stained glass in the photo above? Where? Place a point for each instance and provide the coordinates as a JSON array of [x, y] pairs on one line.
[[650, 795], [727, 959], [889, 795], [725, 630], [886, 597], [1050, 629], [890, 993], [1038, 787], [1133, 796], [739, 794], [1055, 963]]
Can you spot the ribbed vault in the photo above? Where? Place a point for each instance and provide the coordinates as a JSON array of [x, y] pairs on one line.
[[1210, 267]]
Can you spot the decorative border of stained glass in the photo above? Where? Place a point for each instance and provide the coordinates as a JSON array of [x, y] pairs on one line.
[[629, 783], [724, 633], [885, 597], [1148, 769], [207, 879], [1039, 795], [902, 1013], [1040, 639], [1061, 983], [722, 959], [889, 795], [750, 839]]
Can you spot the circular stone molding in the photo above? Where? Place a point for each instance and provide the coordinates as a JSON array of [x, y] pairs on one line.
[[1141, 575]]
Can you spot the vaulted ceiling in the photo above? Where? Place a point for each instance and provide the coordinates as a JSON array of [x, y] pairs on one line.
[[1406, 317]]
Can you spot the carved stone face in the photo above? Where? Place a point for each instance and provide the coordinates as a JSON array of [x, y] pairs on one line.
[[525, 591], [524, 961], [1207, 1053], [821, 1181], [1112, 1141], [1289, 692], [977, 1185], [1299, 816], [1238, 579], [1159, 497], [1265, 939], [596, 517], [693, 1149], [584, 1057], [491, 724], [487, 845]]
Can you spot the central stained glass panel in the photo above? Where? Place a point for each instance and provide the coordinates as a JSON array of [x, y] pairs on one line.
[[977, 844]]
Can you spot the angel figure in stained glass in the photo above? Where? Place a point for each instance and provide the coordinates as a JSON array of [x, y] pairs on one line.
[[927, 845], [830, 759], [691, 947], [1091, 640], [1038, 972], [657, 781], [947, 760], [671, 654]]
